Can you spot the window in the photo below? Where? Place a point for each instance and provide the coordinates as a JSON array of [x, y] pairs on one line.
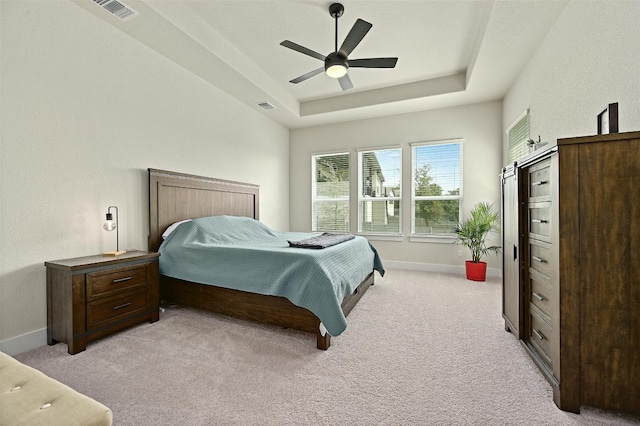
[[518, 135], [379, 191], [330, 192], [436, 170]]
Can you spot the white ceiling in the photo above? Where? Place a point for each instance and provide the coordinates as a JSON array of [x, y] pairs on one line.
[[451, 52]]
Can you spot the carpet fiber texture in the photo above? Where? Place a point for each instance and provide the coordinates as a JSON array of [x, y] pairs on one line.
[[420, 349]]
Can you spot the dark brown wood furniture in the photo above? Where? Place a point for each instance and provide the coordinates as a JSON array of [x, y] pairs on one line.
[[90, 297], [579, 283], [178, 196], [511, 294]]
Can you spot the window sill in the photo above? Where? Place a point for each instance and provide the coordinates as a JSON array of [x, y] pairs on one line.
[[382, 237], [438, 239]]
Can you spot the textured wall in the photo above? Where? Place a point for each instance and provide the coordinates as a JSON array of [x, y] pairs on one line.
[[589, 59], [85, 111]]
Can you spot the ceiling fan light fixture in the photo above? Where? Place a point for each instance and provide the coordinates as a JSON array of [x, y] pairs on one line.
[[336, 71], [335, 65]]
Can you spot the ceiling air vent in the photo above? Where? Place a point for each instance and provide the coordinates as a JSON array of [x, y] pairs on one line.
[[117, 8], [265, 105]]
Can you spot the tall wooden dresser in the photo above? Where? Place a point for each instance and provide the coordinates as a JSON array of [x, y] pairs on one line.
[[575, 301]]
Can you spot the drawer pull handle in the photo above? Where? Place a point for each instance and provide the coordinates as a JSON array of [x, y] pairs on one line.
[[539, 259], [119, 280], [540, 182], [539, 334], [539, 221], [122, 306], [539, 297]]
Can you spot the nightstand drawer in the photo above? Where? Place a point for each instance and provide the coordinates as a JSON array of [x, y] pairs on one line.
[[107, 282], [106, 310]]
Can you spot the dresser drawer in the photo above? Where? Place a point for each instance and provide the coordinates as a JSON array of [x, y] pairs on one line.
[[540, 259], [108, 309], [540, 180], [543, 297], [541, 336], [104, 283], [540, 225]]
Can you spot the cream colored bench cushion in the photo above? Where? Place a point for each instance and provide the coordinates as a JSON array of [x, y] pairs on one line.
[[29, 397]]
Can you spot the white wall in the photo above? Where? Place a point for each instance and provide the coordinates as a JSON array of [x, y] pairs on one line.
[[85, 111], [590, 58], [480, 127]]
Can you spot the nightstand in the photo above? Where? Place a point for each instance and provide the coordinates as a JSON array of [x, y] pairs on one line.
[[91, 297]]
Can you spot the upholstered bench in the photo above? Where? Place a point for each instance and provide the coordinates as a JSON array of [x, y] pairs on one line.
[[29, 397]]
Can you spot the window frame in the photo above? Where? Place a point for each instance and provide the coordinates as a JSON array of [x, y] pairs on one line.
[[435, 237], [362, 198], [314, 186]]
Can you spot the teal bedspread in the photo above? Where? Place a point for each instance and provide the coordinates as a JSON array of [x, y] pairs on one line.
[[244, 254]]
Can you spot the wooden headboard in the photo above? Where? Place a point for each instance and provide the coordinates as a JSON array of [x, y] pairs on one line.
[[177, 196]]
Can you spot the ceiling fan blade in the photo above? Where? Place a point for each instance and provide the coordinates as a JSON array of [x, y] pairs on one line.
[[307, 76], [355, 36], [302, 49], [345, 82], [373, 63]]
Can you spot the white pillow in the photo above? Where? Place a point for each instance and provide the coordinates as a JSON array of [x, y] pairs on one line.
[[172, 228]]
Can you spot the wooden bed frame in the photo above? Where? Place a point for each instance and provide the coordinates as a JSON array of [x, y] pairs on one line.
[[178, 196]]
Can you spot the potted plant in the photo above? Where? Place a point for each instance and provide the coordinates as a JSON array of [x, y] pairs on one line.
[[535, 145], [473, 232]]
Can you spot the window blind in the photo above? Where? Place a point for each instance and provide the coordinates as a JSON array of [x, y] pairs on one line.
[[436, 187], [518, 136], [330, 192]]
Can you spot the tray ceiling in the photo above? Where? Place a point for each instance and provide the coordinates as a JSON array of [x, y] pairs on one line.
[[450, 52]]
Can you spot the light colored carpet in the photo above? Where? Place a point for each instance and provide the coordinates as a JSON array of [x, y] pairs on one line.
[[420, 349]]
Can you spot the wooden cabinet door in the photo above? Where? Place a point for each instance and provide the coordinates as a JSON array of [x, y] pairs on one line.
[[511, 294]]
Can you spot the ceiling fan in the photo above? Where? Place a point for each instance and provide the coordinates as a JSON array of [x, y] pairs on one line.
[[337, 62]]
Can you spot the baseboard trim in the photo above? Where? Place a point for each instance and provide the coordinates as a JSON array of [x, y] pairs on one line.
[[433, 267], [24, 342]]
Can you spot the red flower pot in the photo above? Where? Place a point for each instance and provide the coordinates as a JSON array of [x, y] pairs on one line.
[[476, 271]]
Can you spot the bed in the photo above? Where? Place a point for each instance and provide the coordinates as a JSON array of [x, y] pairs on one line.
[[174, 197]]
